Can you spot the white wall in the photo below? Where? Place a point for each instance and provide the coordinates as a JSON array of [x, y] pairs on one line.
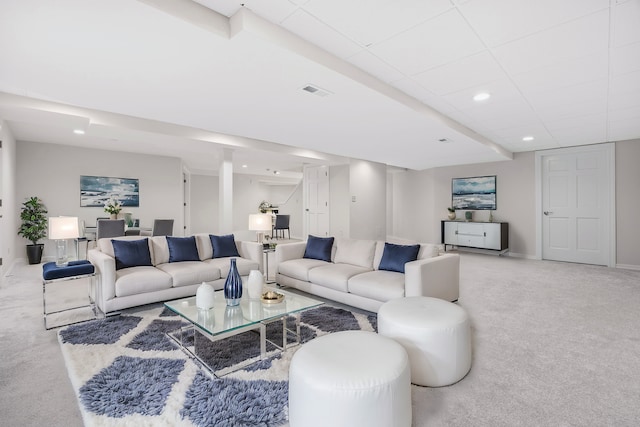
[[52, 172], [9, 211]]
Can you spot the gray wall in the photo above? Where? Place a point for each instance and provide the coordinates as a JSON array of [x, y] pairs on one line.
[[628, 203]]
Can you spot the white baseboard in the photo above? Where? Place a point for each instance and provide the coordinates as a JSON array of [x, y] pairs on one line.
[[628, 266]]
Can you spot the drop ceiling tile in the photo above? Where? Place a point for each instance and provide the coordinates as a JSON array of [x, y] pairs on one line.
[[593, 67], [436, 42], [574, 95], [501, 21], [375, 66], [311, 29], [626, 17], [515, 134], [589, 121], [575, 39], [632, 113], [625, 59], [625, 83], [461, 74], [587, 133], [500, 90], [372, 21], [620, 130]]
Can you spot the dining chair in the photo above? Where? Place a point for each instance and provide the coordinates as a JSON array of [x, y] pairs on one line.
[[282, 223], [109, 228], [161, 227]]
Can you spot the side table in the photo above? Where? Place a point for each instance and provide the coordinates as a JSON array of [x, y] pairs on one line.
[[81, 269], [266, 252]]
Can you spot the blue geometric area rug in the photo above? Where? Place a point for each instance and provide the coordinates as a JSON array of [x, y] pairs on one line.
[[127, 372]]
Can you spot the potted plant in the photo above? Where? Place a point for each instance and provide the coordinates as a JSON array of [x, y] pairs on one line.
[[452, 213], [113, 208], [33, 227]]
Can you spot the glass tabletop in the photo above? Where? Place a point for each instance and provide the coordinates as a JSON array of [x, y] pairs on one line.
[[222, 318]]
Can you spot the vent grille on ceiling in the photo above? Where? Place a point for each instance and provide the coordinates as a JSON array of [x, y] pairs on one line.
[[316, 90]]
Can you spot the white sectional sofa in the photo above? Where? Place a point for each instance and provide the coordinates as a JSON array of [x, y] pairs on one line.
[[163, 276], [353, 276]]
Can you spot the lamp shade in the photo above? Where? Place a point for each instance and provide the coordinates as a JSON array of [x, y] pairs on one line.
[[260, 222], [63, 227]]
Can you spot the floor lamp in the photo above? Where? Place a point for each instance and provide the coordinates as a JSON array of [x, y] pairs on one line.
[[260, 223], [61, 229]]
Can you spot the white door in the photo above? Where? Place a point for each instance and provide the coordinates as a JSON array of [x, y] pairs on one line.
[[316, 200], [577, 202]]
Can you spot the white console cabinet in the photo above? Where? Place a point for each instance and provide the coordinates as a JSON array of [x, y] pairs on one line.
[[481, 235]]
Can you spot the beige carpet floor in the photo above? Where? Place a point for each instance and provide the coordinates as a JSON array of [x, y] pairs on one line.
[[555, 344]]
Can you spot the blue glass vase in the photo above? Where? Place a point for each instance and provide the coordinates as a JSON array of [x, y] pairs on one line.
[[233, 285]]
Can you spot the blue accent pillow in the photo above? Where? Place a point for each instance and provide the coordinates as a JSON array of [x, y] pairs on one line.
[[182, 249], [395, 257], [318, 248], [131, 253], [224, 246]]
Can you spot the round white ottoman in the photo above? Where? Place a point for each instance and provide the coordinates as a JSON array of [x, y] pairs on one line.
[[351, 378], [436, 334]]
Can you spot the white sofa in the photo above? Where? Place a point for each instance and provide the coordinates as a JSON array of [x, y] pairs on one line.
[[353, 277], [164, 280]]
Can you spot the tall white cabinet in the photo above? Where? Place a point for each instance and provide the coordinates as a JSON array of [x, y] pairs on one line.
[[480, 235]]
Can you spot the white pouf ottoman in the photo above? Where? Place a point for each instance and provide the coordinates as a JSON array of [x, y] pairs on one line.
[[436, 334], [351, 378]]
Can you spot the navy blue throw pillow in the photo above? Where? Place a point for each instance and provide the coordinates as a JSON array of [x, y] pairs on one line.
[[395, 257], [318, 248], [131, 253], [182, 249], [224, 246]]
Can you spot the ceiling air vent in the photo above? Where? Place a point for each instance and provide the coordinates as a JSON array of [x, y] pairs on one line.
[[316, 90]]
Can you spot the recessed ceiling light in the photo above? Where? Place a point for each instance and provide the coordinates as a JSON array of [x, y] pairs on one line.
[[528, 138], [482, 96], [244, 166], [78, 131]]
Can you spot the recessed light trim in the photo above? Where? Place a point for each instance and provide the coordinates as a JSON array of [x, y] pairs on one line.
[[528, 138], [482, 96], [78, 131]]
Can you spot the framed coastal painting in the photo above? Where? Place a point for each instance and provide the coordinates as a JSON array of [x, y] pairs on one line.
[[97, 190], [475, 193]]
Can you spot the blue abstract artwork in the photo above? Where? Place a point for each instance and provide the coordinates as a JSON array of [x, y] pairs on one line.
[[474, 193], [97, 190]]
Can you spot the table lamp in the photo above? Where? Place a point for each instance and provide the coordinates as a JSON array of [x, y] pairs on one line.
[[260, 223], [61, 229]]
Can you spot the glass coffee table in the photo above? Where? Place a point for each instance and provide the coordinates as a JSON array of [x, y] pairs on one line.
[[222, 321]]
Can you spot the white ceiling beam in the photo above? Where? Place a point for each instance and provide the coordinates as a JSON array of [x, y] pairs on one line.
[[193, 13]]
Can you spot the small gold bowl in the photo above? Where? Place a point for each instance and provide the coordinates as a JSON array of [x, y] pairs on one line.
[[271, 297]]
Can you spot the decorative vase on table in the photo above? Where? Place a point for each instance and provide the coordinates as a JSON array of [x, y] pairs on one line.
[[113, 216], [233, 285], [255, 283]]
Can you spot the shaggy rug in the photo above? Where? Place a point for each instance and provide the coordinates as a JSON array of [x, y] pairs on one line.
[[126, 371]]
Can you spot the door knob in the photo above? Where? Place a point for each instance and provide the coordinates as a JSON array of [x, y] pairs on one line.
[[547, 212]]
